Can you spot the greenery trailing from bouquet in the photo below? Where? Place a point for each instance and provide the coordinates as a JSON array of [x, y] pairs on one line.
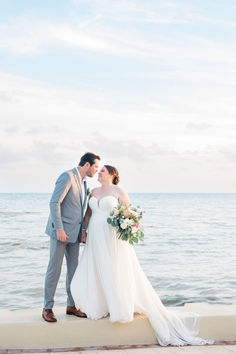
[[127, 223]]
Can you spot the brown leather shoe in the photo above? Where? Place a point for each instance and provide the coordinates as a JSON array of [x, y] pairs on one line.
[[72, 310], [48, 315]]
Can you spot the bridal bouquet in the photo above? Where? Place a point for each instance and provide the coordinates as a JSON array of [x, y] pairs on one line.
[[127, 222]]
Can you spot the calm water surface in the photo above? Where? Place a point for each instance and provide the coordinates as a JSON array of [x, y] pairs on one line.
[[189, 252]]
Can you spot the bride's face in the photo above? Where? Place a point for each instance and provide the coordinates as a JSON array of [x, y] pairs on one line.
[[104, 176]]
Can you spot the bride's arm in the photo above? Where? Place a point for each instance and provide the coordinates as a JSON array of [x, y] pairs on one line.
[[85, 224], [123, 197], [88, 211], [87, 217]]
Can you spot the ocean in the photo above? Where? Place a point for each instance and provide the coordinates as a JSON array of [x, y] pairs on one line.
[[189, 251]]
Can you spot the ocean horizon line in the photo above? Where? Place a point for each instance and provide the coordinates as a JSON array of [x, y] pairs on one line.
[[131, 193]]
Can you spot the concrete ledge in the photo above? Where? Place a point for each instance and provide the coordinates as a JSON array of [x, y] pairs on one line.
[[27, 329]]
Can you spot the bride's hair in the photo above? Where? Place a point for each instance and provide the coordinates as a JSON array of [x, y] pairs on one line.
[[113, 172]]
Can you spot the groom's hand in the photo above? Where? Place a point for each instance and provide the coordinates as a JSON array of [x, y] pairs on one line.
[[62, 236]]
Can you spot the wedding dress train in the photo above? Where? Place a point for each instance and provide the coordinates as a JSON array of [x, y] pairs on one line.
[[110, 280]]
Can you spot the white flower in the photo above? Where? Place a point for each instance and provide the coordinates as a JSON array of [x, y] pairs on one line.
[[129, 222], [134, 229], [123, 225]]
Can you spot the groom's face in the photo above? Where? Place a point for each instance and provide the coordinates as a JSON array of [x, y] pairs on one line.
[[93, 168]]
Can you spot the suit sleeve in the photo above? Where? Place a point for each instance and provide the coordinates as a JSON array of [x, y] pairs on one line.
[[63, 185]]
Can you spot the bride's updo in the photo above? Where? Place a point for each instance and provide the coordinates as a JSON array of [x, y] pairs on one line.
[[113, 172]]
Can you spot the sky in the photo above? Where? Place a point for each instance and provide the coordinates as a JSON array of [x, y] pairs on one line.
[[147, 85]]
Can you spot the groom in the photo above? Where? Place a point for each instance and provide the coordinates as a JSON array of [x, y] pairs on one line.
[[66, 228]]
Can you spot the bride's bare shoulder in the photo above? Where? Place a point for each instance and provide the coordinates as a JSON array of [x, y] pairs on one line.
[[122, 195], [119, 190]]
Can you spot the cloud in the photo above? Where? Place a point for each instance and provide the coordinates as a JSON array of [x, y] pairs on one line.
[[4, 97], [12, 130], [229, 152], [37, 152], [23, 36], [129, 149], [37, 131], [54, 113], [157, 12], [103, 31], [49, 153], [8, 155], [160, 80], [49, 127], [37, 103], [217, 76], [197, 127], [27, 37]]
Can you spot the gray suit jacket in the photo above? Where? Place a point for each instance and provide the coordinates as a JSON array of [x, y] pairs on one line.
[[67, 207]]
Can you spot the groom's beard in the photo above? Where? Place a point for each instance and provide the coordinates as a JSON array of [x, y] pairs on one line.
[[89, 174]]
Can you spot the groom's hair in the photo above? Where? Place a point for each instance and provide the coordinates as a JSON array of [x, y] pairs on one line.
[[88, 157]]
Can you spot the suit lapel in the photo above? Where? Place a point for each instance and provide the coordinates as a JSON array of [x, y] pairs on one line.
[[76, 177]]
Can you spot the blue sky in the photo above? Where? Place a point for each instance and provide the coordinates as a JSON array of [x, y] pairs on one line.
[[150, 86]]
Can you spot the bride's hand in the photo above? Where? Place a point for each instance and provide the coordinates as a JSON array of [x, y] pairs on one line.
[[84, 236]]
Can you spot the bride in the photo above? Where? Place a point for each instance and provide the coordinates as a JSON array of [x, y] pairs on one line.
[[110, 280]]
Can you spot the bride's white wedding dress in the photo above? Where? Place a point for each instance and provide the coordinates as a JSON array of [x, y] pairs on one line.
[[109, 280]]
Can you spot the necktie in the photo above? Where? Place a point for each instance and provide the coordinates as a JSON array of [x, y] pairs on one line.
[[85, 194]]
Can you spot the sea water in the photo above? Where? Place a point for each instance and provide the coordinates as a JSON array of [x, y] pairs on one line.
[[188, 254]]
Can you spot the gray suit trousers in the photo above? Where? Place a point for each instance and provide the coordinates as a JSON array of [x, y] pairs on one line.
[[57, 251]]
